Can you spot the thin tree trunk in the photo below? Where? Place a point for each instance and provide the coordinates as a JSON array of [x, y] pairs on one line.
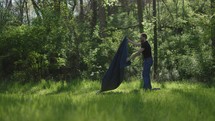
[[8, 4], [158, 2], [213, 31], [102, 18], [94, 16], [73, 7], [36, 9], [140, 14], [213, 27], [168, 10], [81, 10], [26, 10], [183, 9], [155, 40], [21, 10], [176, 8]]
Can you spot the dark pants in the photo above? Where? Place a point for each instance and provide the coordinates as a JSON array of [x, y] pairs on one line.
[[146, 73]]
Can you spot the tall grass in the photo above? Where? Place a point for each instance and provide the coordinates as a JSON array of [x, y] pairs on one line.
[[78, 101]]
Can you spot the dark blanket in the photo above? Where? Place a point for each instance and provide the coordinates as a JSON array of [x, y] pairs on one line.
[[114, 75]]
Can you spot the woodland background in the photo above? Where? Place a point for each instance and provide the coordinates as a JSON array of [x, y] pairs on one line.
[[70, 39]]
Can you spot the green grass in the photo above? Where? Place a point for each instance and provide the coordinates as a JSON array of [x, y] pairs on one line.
[[78, 101]]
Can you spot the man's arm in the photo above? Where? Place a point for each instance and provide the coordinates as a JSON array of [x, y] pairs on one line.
[[134, 55], [134, 43]]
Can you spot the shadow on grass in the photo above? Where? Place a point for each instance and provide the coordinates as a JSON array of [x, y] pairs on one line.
[[110, 93], [49, 87], [16, 87], [135, 91], [199, 98]]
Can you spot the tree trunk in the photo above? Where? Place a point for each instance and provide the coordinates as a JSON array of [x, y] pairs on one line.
[[158, 14], [9, 4], [176, 8], [183, 9], [140, 14], [94, 16], [213, 27], [102, 18], [168, 9], [81, 10], [21, 10], [26, 10], [155, 41], [74, 5], [36, 8]]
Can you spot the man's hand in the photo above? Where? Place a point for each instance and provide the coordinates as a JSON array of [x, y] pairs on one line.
[[129, 40], [134, 43], [134, 55]]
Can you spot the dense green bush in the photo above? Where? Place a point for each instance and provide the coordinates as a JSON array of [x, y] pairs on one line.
[[60, 45]]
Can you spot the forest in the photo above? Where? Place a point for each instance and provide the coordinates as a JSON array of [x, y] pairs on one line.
[[70, 39], [54, 55]]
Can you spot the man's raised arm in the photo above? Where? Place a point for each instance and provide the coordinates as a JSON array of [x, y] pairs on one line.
[[134, 43]]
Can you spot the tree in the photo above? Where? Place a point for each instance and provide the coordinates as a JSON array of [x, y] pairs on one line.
[[70, 34], [213, 27], [81, 10], [26, 11], [102, 18], [183, 9], [20, 4], [155, 40], [94, 16], [36, 9], [140, 14]]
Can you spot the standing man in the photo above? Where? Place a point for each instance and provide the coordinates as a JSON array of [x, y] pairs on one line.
[[147, 57]]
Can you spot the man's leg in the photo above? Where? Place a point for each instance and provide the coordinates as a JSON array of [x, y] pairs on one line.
[[146, 74]]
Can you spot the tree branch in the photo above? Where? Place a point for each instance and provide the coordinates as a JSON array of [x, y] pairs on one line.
[[36, 8], [121, 28], [168, 10]]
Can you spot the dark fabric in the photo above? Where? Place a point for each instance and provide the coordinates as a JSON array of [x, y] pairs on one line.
[[147, 50], [114, 75]]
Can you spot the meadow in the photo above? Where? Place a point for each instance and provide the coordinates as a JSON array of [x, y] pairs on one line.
[[78, 101]]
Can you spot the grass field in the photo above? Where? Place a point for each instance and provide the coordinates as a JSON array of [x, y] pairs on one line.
[[78, 101]]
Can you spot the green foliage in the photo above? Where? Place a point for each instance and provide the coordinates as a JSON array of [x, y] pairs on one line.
[[184, 42], [24, 48], [58, 45], [99, 56]]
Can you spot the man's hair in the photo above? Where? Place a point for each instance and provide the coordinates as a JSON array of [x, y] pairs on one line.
[[144, 35]]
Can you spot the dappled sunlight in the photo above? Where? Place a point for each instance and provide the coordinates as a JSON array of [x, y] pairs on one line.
[[80, 101], [181, 85]]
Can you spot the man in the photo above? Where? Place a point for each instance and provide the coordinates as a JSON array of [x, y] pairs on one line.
[[147, 57]]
